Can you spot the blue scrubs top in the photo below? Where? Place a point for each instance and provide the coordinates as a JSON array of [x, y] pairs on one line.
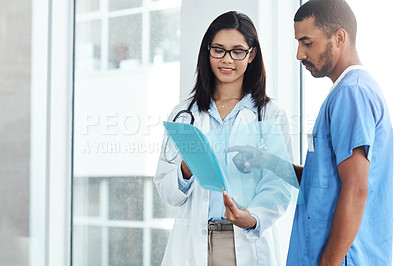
[[354, 114]]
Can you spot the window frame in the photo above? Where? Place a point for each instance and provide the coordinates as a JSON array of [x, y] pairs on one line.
[[51, 132]]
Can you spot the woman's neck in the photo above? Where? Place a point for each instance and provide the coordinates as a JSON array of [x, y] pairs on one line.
[[228, 91], [226, 96]]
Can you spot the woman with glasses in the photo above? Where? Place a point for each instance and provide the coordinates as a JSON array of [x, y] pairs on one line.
[[229, 89]]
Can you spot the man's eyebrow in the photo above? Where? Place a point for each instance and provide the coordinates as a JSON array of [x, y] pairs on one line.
[[305, 38]]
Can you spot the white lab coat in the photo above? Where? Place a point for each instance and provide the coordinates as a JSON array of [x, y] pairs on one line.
[[188, 240]]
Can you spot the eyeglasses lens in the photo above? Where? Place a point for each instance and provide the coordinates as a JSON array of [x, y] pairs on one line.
[[236, 54]]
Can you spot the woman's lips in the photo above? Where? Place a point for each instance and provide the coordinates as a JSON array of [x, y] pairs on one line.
[[226, 70]]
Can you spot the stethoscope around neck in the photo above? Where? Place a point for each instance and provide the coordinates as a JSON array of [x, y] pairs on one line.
[[188, 117]]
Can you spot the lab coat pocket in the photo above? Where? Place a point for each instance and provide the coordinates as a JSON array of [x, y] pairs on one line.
[[322, 163]]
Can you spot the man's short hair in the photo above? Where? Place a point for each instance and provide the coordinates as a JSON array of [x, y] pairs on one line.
[[329, 16]]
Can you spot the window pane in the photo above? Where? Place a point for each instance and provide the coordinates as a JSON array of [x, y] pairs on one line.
[[125, 247], [126, 198], [87, 197], [125, 41], [123, 4], [159, 239], [164, 36], [86, 246], [83, 6], [87, 46]]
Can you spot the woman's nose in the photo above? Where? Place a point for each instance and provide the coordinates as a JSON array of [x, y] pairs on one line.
[[227, 58]]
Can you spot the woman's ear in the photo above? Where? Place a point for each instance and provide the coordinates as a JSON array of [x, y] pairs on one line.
[[252, 55]]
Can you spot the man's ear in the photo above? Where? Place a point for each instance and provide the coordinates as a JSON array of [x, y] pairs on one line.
[[341, 37], [252, 54]]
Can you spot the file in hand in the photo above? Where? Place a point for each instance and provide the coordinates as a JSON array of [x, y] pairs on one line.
[[210, 159], [198, 154]]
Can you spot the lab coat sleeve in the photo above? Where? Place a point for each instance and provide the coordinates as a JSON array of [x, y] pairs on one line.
[[184, 184], [166, 177]]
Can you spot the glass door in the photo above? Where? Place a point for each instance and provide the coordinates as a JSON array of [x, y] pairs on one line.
[[126, 82]]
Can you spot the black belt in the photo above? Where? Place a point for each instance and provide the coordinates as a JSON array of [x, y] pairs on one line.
[[220, 226]]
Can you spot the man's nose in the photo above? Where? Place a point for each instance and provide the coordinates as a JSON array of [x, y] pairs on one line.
[[300, 54]]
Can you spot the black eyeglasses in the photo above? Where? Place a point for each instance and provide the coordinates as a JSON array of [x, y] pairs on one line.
[[236, 54]]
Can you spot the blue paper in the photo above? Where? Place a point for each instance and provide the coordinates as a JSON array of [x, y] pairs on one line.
[[194, 147]]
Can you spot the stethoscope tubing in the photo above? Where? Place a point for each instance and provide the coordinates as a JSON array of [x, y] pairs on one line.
[[182, 112]]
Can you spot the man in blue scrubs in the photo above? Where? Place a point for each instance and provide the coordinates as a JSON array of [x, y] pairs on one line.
[[347, 215]]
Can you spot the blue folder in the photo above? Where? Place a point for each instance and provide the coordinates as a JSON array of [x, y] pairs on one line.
[[194, 147]]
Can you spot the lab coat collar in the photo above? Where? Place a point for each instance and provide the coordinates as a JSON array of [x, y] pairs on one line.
[[201, 120]]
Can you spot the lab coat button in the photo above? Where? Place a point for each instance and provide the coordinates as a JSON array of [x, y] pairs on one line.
[[204, 232]]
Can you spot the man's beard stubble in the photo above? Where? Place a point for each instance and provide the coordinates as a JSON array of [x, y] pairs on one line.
[[324, 57]]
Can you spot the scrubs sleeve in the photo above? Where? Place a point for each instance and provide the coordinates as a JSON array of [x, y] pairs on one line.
[[352, 116]]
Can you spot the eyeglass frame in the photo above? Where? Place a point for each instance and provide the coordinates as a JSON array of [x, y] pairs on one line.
[[229, 52]]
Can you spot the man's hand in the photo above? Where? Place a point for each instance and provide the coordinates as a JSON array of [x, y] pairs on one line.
[[248, 158], [240, 218]]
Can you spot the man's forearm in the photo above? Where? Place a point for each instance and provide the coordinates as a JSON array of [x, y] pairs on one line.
[[353, 173]]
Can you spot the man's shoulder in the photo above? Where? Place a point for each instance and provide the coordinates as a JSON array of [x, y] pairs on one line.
[[359, 78]]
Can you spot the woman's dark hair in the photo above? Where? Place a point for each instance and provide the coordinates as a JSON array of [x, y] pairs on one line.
[[329, 16], [254, 81]]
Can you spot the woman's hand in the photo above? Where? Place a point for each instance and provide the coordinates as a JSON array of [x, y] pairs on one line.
[[240, 218], [185, 171]]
